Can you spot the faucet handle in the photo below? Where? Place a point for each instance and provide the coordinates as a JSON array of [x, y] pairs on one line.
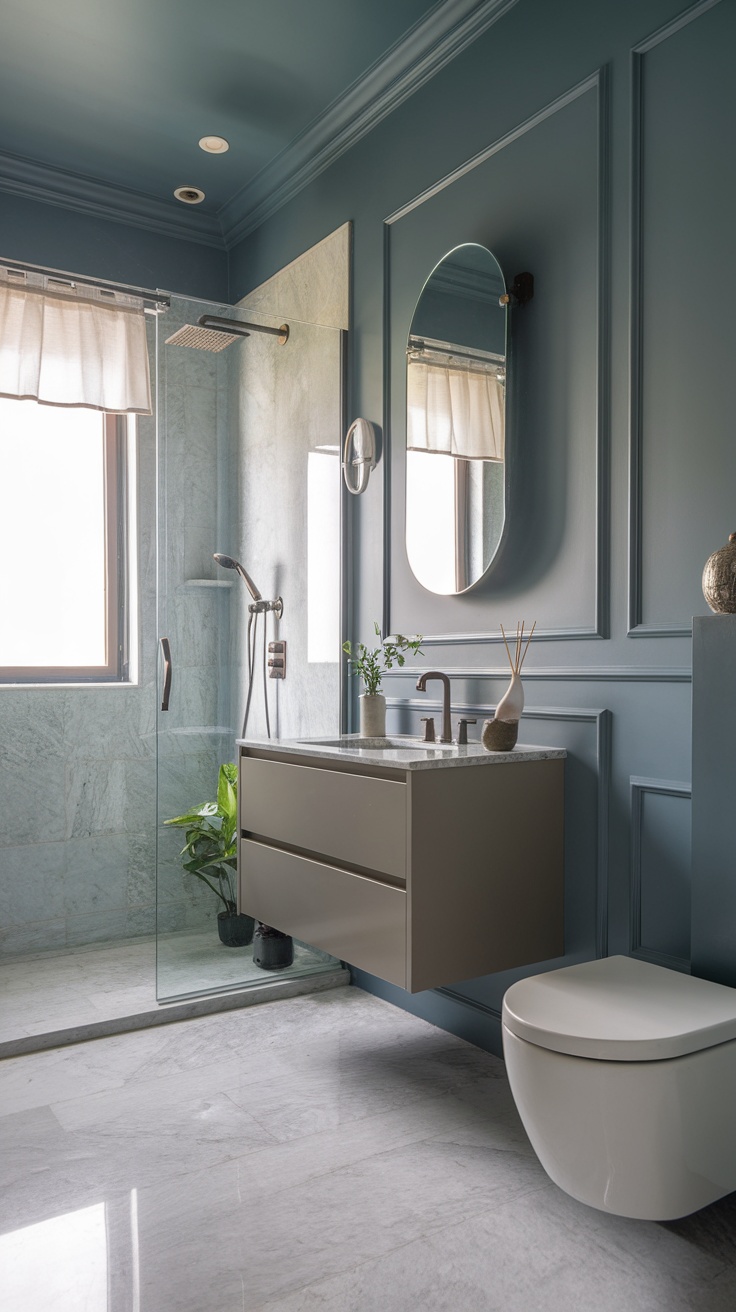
[[429, 731], [462, 732]]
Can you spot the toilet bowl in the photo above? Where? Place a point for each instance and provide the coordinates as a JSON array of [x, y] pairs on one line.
[[624, 1075]]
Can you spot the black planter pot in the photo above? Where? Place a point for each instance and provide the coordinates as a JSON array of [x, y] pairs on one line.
[[236, 931], [272, 950]]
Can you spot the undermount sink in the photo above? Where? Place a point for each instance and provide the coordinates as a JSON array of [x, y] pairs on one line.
[[353, 741]]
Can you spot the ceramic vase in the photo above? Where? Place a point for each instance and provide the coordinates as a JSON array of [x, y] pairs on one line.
[[719, 579], [372, 715], [511, 704], [500, 733]]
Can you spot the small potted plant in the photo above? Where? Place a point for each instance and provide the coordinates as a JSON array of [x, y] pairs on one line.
[[371, 664], [210, 854]]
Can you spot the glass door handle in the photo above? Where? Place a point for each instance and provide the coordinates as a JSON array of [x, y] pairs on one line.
[[166, 651]]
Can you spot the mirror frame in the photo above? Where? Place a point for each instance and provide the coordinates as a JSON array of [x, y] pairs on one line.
[[504, 300]]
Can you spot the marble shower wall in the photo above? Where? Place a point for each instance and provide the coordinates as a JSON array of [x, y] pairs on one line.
[[195, 468], [286, 403], [78, 763], [78, 782]]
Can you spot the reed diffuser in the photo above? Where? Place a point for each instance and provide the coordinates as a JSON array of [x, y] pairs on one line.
[[500, 733]]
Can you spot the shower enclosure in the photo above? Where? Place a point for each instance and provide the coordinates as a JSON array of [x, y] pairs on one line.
[[248, 468]]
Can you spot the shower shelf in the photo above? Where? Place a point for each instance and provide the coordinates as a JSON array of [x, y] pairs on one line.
[[207, 583]]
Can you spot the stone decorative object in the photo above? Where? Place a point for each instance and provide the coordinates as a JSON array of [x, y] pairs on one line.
[[372, 715], [500, 733], [719, 579]]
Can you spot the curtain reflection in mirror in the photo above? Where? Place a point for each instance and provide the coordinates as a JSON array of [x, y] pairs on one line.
[[455, 454], [455, 402]]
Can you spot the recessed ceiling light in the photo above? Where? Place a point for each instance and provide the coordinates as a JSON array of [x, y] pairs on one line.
[[189, 195], [214, 145]]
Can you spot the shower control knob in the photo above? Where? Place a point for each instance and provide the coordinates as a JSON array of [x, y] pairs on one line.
[[277, 660]]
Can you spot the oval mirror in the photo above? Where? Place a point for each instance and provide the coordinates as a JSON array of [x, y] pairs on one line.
[[456, 422]]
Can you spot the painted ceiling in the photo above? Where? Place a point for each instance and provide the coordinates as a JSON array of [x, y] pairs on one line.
[[118, 92]]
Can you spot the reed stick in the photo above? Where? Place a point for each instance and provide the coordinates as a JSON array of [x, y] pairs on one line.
[[508, 653], [531, 635], [520, 650]]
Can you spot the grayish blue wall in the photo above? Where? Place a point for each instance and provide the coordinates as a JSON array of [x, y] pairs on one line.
[[714, 849], [66, 239], [623, 479]]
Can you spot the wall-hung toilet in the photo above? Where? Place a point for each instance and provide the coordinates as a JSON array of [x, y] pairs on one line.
[[624, 1075]]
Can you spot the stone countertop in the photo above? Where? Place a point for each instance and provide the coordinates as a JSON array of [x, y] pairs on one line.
[[399, 752]]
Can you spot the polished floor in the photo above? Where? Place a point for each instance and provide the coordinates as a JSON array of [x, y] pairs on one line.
[[50, 998], [326, 1152]]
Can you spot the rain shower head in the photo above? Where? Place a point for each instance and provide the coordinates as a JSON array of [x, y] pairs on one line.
[[227, 562], [213, 334], [201, 339]]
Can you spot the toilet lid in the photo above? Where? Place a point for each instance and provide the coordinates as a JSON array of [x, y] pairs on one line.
[[620, 1009]]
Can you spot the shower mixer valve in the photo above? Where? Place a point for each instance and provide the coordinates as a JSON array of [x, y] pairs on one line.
[[277, 660]]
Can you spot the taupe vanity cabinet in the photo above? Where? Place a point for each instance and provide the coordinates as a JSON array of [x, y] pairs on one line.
[[420, 867]]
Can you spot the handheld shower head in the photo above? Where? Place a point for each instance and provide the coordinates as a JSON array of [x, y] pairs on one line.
[[227, 562]]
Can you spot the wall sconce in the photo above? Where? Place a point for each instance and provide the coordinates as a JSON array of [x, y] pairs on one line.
[[357, 467]]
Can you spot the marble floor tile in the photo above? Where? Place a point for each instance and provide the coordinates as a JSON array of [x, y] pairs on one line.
[[58, 993], [324, 1153], [342, 1082], [542, 1252], [160, 1139], [300, 1231]]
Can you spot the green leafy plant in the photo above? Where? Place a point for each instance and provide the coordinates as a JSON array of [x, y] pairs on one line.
[[371, 663], [210, 849]]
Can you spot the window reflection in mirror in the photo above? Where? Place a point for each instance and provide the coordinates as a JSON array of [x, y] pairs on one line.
[[323, 555], [456, 422]]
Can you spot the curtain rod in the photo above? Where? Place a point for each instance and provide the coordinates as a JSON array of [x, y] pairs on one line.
[[153, 298], [420, 345]]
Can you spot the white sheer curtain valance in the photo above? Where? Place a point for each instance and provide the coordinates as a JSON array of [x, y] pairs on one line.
[[72, 345], [455, 409]]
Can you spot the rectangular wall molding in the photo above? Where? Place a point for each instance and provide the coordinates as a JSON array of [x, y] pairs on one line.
[[639, 789], [563, 673], [601, 722], [599, 625], [638, 628]]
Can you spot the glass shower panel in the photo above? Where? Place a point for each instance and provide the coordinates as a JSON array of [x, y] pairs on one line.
[[237, 429]]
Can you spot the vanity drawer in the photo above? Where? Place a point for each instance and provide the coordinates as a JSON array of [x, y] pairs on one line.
[[350, 817], [355, 918]]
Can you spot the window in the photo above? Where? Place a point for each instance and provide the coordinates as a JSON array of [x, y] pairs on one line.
[[64, 576]]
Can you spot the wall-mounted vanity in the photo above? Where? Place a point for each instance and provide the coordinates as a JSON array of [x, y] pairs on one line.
[[420, 864]]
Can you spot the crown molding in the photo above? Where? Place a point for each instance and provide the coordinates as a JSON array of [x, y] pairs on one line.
[[432, 43], [51, 186]]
